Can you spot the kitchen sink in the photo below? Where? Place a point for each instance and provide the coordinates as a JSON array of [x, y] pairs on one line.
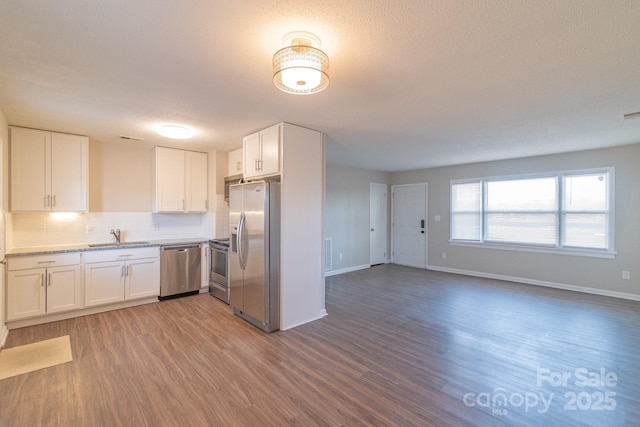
[[117, 245]]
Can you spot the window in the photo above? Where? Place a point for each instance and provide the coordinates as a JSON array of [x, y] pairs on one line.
[[569, 210]]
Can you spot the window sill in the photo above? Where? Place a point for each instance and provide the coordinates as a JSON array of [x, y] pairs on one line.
[[521, 248]]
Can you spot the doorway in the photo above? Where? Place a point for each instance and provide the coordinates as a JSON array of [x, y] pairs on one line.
[[409, 225], [377, 223]]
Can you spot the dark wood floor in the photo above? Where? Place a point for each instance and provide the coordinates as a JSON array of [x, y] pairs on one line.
[[400, 347]]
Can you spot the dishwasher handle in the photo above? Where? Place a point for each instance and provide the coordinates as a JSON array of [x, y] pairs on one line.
[[179, 248]]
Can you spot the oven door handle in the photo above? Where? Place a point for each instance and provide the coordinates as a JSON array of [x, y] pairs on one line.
[[208, 254]]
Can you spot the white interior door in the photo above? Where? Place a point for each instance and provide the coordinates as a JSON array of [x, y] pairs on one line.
[[377, 223], [409, 222]]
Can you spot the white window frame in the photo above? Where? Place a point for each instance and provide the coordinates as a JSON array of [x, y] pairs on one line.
[[528, 247]]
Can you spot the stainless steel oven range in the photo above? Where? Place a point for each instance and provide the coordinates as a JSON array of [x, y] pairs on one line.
[[219, 269]]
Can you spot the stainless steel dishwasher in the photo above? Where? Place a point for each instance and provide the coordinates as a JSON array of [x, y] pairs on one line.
[[180, 273]]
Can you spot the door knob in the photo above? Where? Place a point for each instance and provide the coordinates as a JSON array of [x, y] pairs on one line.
[[372, 229]]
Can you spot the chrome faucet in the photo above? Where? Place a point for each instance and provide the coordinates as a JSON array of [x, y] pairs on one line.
[[116, 234]]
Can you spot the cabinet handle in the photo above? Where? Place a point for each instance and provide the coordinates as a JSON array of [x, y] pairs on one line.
[[128, 270], [42, 280], [45, 262], [122, 272], [47, 201], [49, 279], [53, 201]]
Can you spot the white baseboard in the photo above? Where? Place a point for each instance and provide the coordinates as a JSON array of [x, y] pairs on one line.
[[526, 281], [346, 270], [4, 333], [323, 312]]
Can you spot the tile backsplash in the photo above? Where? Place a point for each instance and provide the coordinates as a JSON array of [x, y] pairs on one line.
[[44, 229]]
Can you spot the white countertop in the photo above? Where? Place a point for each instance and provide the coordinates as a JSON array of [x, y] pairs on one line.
[[83, 247]]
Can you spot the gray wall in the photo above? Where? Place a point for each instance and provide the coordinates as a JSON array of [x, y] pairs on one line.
[[598, 274], [347, 213]]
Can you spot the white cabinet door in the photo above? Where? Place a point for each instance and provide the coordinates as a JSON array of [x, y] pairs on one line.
[[104, 283], [180, 180], [143, 278], [29, 169], [270, 150], [251, 149], [205, 264], [196, 181], [235, 162], [26, 293], [68, 173], [64, 289], [169, 169]]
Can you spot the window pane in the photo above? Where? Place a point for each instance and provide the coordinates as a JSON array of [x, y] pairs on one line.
[[466, 197], [466, 226], [466, 211], [539, 229], [585, 230], [536, 194], [586, 192]]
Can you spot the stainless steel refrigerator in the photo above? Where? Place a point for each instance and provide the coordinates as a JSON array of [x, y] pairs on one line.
[[254, 253]]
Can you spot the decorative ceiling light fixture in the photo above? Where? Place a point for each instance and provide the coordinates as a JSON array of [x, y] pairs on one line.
[[301, 67], [175, 131]]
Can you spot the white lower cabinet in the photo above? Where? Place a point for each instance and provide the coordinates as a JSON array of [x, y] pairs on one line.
[[121, 275], [142, 279], [43, 284]]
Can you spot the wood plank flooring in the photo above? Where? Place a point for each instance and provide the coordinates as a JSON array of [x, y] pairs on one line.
[[400, 347]]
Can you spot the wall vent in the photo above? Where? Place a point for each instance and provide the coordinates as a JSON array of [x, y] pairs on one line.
[[328, 254]]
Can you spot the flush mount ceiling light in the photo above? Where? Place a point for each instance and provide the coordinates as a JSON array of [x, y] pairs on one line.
[[301, 67], [175, 131]]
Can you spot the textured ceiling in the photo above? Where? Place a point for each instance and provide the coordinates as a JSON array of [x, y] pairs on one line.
[[414, 83]]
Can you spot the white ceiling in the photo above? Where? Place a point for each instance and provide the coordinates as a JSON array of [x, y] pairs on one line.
[[414, 83]]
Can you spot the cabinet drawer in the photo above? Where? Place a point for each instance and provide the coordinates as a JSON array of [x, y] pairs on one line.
[[42, 261], [121, 254]]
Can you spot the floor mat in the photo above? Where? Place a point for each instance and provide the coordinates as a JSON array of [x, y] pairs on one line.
[[32, 357]]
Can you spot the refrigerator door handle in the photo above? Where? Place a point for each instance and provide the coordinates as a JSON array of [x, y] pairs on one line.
[[240, 237]]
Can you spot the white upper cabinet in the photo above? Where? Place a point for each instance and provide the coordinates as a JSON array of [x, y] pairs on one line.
[[262, 153], [196, 181], [180, 180], [49, 171], [235, 162]]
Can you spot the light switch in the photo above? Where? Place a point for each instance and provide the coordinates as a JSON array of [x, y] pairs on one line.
[[436, 218]]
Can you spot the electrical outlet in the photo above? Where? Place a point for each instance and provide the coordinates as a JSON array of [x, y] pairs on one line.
[[436, 218], [444, 255], [89, 228], [340, 256], [156, 226], [626, 275]]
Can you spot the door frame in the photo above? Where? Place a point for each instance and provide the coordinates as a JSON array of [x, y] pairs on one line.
[[385, 215], [426, 217]]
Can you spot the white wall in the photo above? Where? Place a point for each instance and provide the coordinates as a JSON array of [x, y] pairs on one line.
[[301, 227], [4, 193], [347, 214], [595, 275]]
